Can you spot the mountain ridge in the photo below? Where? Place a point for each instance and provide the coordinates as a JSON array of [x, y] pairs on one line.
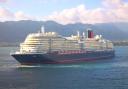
[[16, 31]]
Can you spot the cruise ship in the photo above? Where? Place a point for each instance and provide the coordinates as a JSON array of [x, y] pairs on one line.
[[51, 48]]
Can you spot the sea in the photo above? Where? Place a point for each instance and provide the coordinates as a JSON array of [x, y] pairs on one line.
[[99, 74]]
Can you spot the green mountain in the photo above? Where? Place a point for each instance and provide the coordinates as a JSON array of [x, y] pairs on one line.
[[16, 31]]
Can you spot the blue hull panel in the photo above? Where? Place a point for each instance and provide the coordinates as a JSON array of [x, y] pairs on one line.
[[49, 58]]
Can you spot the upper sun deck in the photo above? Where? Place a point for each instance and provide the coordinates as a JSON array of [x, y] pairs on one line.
[[46, 34], [42, 33]]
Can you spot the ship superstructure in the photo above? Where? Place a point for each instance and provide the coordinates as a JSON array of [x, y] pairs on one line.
[[50, 47]]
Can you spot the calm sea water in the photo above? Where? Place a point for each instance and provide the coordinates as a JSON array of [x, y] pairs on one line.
[[101, 74]]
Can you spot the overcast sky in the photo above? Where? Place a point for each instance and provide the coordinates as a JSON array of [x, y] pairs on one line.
[[65, 11]]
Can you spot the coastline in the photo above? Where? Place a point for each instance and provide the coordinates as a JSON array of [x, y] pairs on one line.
[[7, 44], [120, 43]]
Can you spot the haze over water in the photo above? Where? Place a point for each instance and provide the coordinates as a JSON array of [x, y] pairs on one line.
[[100, 74]]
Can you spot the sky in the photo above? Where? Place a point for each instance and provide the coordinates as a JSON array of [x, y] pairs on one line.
[[65, 11]]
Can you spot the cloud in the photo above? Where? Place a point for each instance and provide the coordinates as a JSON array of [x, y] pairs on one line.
[[112, 3], [7, 15], [22, 16], [68, 15], [111, 11], [3, 1], [118, 8]]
